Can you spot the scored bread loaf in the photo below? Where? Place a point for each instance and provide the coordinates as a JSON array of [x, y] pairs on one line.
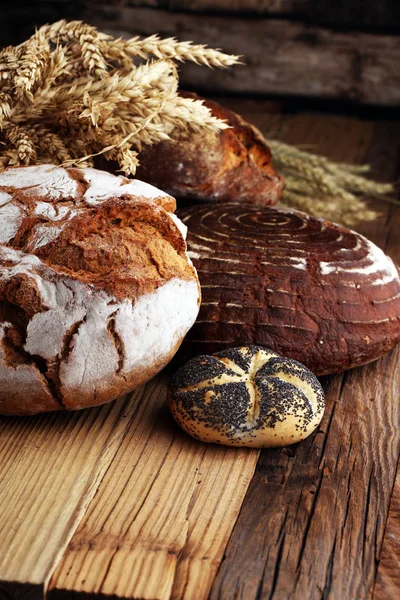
[[247, 396], [304, 287], [234, 164], [96, 289]]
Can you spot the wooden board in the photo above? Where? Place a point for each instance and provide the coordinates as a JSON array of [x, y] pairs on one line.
[[281, 57], [162, 516], [50, 468], [353, 66], [369, 14], [151, 495], [116, 502], [387, 583]]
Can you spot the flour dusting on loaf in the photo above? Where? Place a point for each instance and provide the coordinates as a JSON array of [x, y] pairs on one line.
[[56, 183], [96, 289], [307, 288], [376, 262], [104, 185]]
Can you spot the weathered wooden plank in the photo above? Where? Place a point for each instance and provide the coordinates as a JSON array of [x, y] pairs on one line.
[[160, 521], [281, 57], [320, 527], [366, 13], [358, 14], [387, 585], [319, 531], [50, 468]]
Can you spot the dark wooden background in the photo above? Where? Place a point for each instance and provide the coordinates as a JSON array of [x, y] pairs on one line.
[[346, 50]]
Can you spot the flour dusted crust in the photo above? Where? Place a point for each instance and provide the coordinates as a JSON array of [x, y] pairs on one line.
[[248, 396], [96, 289], [304, 287]]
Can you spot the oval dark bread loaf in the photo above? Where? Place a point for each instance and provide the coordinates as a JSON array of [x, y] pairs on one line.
[[96, 289], [232, 165], [307, 288], [247, 396]]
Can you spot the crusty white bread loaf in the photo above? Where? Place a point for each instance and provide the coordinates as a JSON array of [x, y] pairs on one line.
[[307, 288], [96, 289], [247, 396]]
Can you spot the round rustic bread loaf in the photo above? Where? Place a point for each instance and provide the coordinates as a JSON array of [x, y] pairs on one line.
[[232, 165], [307, 288], [247, 396], [96, 289]]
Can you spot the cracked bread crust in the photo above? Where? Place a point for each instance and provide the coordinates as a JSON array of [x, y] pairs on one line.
[[96, 289]]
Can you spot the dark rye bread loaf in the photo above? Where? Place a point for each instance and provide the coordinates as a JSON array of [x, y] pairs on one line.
[[96, 290], [304, 287], [234, 165]]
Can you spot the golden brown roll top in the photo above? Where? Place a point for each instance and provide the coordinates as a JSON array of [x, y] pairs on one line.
[[247, 396]]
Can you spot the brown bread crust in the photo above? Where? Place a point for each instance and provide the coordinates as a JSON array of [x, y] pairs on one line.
[[304, 287], [231, 166]]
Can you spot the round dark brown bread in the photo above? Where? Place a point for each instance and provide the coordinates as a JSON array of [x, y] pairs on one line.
[[307, 288], [96, 289], [247, 396], [232, 165]]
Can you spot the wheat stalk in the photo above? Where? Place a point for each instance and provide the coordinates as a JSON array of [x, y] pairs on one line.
[[322, 187], [71, 92], [171, 48]]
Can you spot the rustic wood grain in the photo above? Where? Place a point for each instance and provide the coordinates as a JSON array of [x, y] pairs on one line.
[[351, 66], [281, 57], [319, 530], [361, 14], [353, 13], [50, 468], [160, 521], [387, 585], [358, 14]]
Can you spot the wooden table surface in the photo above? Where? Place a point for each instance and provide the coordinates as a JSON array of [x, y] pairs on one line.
[[116, 502]]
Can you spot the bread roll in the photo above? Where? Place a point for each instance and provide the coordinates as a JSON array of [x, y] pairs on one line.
[[247, 396], [307, 288], [96, 290], [232, 165]]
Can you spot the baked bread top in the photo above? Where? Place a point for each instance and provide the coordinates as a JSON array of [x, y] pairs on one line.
[[234, 165], [304, 287], [93, 278], [248, 396]]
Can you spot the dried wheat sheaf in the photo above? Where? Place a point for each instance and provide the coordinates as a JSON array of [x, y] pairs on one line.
[[71, 92], [325, 188]]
